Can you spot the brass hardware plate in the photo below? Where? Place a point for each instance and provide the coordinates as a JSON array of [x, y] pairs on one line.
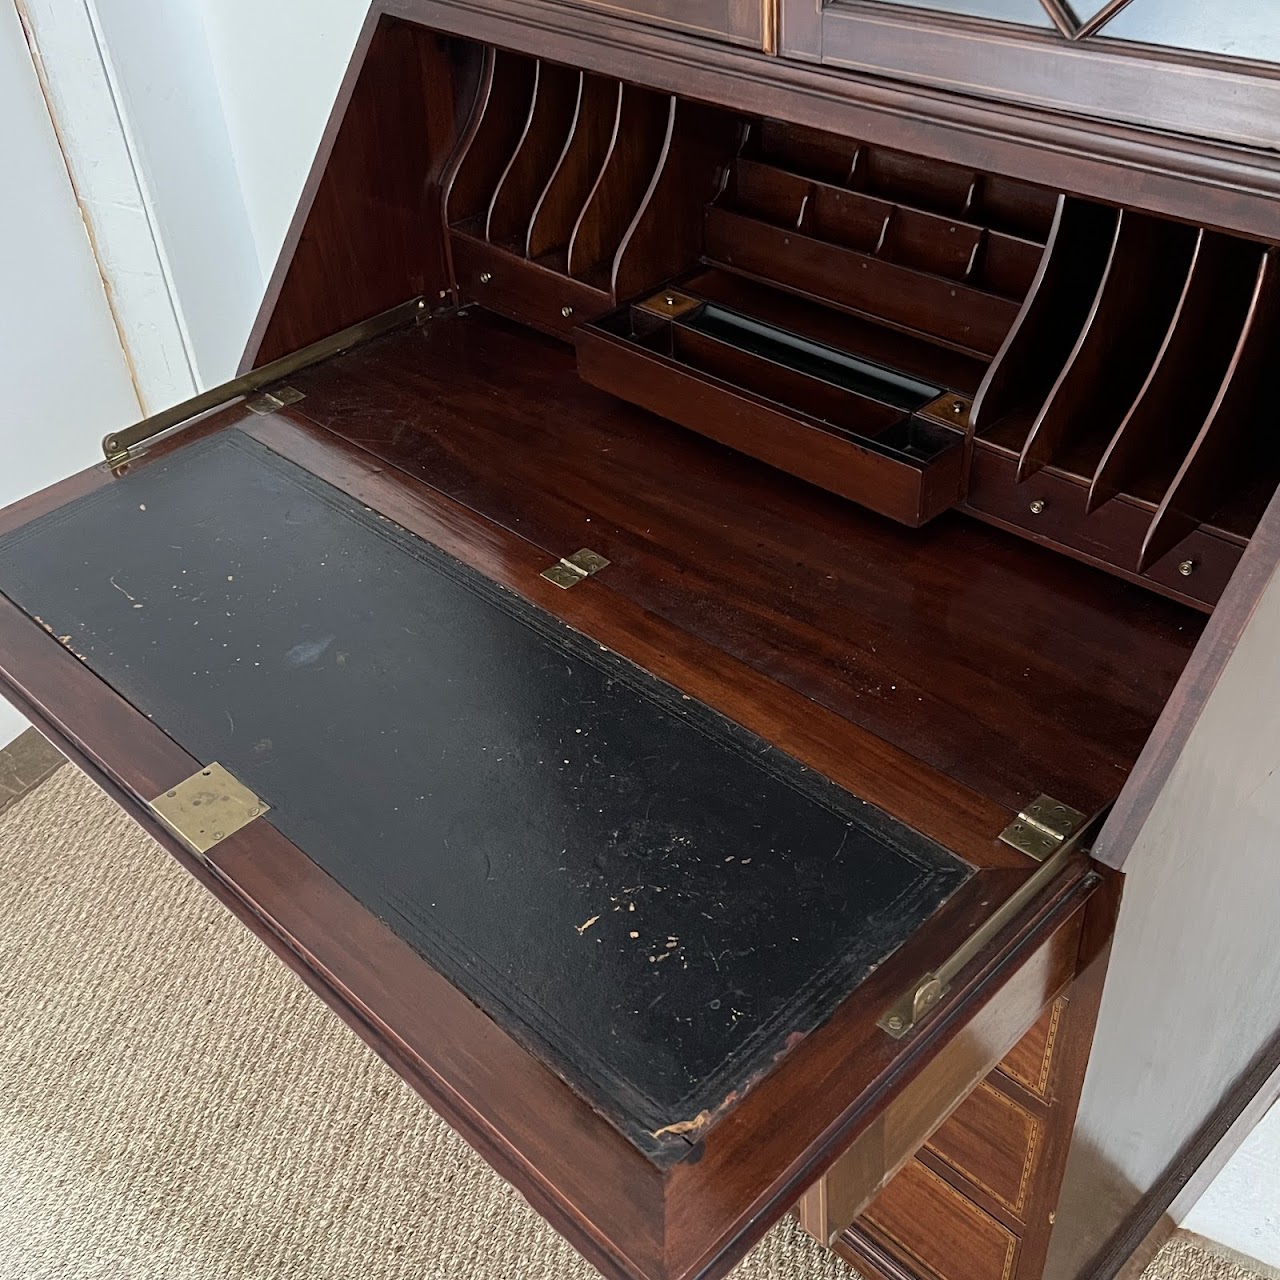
[[120, 446], [207, 808], [572, 569], [923, 997], [670, 304], [950, 409], [276, 398], [1042, 826]]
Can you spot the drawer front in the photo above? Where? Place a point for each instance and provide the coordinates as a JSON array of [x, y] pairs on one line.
[[927, 1222], [1030, 1063], [994, 1143], [745, 22]]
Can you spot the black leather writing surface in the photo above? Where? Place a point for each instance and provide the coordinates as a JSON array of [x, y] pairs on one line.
[[650, 897]]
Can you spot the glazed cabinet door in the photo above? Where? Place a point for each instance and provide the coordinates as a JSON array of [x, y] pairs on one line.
[[1175, 65], [743, 22]]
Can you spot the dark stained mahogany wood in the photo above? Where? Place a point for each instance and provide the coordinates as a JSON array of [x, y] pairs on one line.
[[552, 114], [1198, 94], [369, 242], [809, 428], [746, 22], [1041, 338], [644, 130], [666, 234], [1143, 280], [803, 586], [1228, 446], [1142, 458], [595, 125], [1215, 184], [500, 117], [971, 321]]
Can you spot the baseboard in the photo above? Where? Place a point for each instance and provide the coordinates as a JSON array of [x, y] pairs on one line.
[[25, 763]]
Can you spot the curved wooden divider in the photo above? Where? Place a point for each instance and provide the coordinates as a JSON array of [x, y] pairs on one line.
[[644, 126], [665, 236], [592, 136], [1145, 275], [1220, 453], [1190, 367], [498, 121], [556, 95], [1051, 316]]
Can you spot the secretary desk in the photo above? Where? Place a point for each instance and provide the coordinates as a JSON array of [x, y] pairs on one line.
[[695, 627]]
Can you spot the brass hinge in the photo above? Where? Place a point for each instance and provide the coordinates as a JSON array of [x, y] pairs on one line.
[[276, 398], [572, 569], [1042, 826], [924, 996], [120, 446], [207, 808]]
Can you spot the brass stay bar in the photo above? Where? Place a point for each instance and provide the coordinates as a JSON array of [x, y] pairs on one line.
[[920, 1000], [119, 446]]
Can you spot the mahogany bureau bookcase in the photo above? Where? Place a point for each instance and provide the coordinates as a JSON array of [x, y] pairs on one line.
[[731, 515]]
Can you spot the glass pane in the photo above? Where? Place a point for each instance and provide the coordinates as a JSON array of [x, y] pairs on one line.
[[1027, 12], [1238, 28]]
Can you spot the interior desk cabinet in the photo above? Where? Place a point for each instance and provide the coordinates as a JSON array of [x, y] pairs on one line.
[[711, 559]]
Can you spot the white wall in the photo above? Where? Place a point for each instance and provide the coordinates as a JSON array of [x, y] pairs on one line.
[[62, 370], [276, 106]]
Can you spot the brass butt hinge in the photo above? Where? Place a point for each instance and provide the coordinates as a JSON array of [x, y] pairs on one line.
[[120, 446], [572, 569], [1049, 831], [207, 808], [276, 398], [1041, 828]]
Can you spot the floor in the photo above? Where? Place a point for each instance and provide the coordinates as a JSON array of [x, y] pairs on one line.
[[176, 1105]]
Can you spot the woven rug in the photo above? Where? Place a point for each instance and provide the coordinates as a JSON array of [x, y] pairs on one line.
[[174, 1105]]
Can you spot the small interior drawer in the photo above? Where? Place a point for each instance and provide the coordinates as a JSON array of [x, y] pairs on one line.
[[926, 1222], [994, 1143], [1031, 1061]]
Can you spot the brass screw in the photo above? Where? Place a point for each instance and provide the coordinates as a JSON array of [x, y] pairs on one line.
[[486, 277], [566, 311], [1187, 568], [1038, 506], [670, 300], [895, 1023], [957, 406]]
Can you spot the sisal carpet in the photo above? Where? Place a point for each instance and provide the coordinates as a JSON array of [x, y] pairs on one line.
[[174, 1105]]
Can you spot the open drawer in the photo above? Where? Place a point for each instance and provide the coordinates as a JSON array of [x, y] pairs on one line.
[[634, 917]]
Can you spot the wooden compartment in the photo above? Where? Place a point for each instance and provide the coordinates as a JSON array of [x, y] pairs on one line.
[[1118, 421], [561, 183], [841, 422], [819, 257]]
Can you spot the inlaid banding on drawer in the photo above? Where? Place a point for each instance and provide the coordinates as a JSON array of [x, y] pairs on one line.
[[925, 1219], [1030, 1062], [993, 1143]]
